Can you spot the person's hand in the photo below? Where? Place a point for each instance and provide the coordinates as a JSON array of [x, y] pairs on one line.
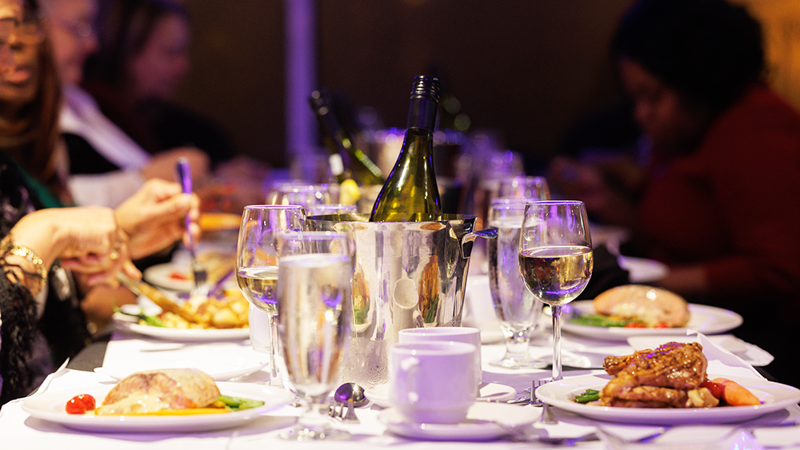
[[86, 239], [153, 217], [162, 165]]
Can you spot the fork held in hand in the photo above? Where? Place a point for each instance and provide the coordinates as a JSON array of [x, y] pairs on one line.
[[200, 275]]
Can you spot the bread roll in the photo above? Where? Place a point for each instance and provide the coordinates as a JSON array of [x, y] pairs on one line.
[[651, 305], [157, 390]]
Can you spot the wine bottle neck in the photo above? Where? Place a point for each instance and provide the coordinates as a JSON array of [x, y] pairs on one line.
[[422, 113]]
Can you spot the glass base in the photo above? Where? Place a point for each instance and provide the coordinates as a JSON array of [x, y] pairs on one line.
[[301, 433], [515, 364]]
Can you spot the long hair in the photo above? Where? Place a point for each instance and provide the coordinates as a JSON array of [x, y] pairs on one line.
[[123, 29], [41, 159]]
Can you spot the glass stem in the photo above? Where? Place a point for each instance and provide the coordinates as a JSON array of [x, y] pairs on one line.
[[517, 345], [557, 372], [273, 331]]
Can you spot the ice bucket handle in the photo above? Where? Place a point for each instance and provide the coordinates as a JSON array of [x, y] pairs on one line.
[[469, 239]]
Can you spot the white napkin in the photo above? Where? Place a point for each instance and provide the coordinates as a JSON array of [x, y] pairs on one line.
[[126, 356]]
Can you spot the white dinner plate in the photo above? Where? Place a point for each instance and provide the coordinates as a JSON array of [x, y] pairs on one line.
[[161, 275], [488, 392], [479, 426], [181, 334], [705, 319], [50, 407], [774, 397], [642, 270]]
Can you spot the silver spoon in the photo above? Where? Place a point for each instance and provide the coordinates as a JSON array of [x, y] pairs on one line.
[[352, 396], [350, 391]]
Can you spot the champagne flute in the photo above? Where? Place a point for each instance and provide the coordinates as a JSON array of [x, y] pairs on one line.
[[524, 187], [315, 312], [515, 306], [555, 258], [257, 263]]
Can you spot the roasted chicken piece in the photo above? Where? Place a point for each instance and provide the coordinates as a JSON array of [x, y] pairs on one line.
[[157, 390], [658, 378]]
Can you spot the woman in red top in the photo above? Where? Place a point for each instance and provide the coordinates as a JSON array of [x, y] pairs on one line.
[[720, 199]]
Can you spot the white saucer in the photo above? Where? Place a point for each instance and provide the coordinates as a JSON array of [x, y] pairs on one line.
[[488, 392], [480, 424]]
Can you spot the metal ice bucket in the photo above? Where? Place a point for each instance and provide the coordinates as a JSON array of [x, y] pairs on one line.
[[407, 275]]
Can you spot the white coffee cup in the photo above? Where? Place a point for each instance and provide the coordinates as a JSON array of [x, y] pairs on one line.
[[466, 335], [432, 382]]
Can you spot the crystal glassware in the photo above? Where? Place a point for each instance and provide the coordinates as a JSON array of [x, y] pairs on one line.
[[257, 262], [314, 317], [300, 193], [515, 306], [534, 188], [555, 258]]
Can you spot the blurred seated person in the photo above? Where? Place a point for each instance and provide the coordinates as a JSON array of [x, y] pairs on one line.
[[106, 165], [71, 253], [29, 136], [717, 200], [142, 58]]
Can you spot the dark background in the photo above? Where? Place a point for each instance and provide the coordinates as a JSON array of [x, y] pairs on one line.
[[524, 68]]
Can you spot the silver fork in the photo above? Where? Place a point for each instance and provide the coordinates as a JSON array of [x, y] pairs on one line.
[[198, 270], [547, 415]]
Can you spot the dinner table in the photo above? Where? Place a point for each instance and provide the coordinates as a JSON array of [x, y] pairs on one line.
[[121, 351]]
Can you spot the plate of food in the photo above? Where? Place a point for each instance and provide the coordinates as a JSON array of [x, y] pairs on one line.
[[638, 310], [201, 319], [667, 386], [172, 276], [177, 400]]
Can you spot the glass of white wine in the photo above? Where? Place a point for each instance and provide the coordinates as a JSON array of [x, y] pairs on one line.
[[257, 262], [315, 309], [555, 258], [515, 306]]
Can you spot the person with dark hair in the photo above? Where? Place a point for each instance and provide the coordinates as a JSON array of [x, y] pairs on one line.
[[717, 199], [142, 57], [55, 260]]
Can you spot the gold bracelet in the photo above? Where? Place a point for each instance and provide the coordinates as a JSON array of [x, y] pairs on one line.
[[30, 255]]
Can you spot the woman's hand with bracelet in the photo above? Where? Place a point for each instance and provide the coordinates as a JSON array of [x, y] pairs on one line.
[[87, 240]]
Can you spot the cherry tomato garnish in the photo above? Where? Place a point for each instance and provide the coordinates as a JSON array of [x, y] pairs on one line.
[[634, 325], [80, 404], [660, 325]]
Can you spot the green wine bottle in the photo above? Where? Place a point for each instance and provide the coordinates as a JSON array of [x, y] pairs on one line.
[[411, 194], [345, 155]]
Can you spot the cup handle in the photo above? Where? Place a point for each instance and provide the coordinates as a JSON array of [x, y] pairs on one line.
[[408, 368]]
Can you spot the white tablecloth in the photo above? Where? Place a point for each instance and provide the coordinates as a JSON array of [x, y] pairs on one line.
[[17, 429]]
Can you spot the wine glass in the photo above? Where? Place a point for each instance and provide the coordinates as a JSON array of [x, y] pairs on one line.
[[303, 194], [257, 263], [524, 187], [515, 306], [315, 313], [555, 258]]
